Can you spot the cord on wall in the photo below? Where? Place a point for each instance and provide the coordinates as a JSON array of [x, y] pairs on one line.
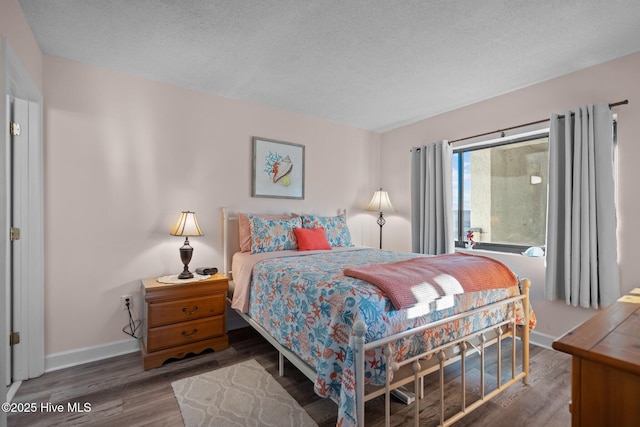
[[133, 326]]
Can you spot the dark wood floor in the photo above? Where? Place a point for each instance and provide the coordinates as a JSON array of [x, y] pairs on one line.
[[121, 393]]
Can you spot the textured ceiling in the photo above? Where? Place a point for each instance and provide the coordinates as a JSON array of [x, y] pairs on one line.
[[375, 64]]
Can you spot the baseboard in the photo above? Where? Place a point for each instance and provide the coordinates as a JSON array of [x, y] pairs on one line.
[[12, 389], [541, 340], [67, 359]]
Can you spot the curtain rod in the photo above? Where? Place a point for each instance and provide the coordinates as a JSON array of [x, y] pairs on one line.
[[615, 104]]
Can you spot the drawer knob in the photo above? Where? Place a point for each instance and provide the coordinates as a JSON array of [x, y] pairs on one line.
[[190, 312], [188, 336]]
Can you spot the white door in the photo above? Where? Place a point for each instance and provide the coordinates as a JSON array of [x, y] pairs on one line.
[[25, 354], [6, 166], [22, 279], [19, 147]]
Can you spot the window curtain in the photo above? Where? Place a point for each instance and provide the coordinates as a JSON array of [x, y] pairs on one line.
[[432, 199], [582, 257]]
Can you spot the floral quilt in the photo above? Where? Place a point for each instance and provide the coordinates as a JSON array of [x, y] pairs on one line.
[[310, 306]]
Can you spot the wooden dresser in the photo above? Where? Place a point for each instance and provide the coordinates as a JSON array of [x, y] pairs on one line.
[[182, 318], [605, 385]]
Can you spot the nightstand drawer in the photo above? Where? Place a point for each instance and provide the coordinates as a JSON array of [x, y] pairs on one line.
[[184, 333], [166, 313]]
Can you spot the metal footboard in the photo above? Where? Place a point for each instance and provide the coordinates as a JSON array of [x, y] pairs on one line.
[[412, 369]]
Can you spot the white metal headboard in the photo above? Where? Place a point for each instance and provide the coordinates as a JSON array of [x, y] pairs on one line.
[[227, 239]]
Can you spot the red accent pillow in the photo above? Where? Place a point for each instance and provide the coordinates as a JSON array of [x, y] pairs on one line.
[[311, 239]]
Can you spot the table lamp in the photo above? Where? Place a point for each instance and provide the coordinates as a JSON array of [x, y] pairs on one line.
[[380, 203], [186, 226]]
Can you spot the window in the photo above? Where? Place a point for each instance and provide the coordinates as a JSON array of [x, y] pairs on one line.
[[500, 192]]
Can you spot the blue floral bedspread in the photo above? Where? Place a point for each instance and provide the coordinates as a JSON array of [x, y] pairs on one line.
[[309, 306]]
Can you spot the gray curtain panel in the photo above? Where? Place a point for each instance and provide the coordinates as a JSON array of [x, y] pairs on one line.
[[582, 256], [432, 199]]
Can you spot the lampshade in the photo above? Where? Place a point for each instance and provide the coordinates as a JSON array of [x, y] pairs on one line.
[[380, 202], [187, 225]]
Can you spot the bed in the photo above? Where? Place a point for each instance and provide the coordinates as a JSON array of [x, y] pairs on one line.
[[352, 339]]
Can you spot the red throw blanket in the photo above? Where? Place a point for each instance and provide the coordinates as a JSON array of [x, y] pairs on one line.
[[425, 279]]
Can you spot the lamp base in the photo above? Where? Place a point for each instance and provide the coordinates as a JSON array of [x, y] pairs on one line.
[[381, 221], [186, 274], [185, 255]]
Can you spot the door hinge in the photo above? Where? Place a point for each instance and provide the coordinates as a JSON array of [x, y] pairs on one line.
[[14, 129], [14, 338], [14, 234]]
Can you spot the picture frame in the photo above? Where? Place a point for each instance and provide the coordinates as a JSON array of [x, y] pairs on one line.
[[278, 169]]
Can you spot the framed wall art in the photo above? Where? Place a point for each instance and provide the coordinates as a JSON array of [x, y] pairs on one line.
[[278, 169]]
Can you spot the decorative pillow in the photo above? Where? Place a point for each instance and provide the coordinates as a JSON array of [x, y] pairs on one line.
[[244, 232], [311, 239], [268, 235], [335, 228]]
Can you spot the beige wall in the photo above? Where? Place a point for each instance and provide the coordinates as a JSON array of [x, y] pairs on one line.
[[123, 157], [14, 28], [609, 82]]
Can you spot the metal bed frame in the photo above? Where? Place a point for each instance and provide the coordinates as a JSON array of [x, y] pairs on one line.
[[414, 369]]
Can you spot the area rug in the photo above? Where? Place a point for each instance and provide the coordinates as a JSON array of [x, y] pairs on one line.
[[244, 394]]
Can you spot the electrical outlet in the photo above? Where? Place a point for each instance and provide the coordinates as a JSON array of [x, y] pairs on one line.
[[123, 301]]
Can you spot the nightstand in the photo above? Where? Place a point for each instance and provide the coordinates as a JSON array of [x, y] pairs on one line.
[[182, 318]]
